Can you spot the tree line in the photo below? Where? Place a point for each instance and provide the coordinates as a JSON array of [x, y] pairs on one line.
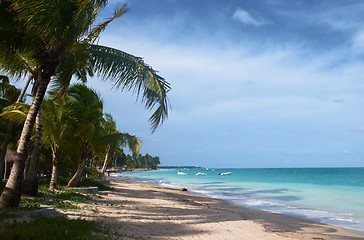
[[144, 162], [50, 43]]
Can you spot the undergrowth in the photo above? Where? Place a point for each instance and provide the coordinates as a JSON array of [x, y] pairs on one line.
[[55, 228], [63, 198], [43, 228]]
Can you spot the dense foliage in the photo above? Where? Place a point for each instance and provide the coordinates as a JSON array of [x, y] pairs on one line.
[[53, 42], [55, 228], [76, 121], [145, 162]]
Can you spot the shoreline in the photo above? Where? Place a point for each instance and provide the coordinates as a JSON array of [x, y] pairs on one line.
[[153, 212], [318, 215]]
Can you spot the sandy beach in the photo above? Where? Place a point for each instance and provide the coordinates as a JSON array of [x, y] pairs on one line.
[[142, 211]]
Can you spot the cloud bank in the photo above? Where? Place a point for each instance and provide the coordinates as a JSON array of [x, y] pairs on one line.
[[290, 92]]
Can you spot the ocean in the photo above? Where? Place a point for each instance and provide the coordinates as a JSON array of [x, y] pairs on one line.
[[328, 195]]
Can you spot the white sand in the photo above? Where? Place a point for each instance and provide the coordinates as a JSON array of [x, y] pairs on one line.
[[148, 212]]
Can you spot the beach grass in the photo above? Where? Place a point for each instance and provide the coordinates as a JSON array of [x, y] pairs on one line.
[[12, 227], [63, 198], [55, 228]]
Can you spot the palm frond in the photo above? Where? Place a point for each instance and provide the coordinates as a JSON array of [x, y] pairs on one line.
[[127, 72], [95, 32], [74, 64], [132, 142], [57, 120], [17, 43], [16, 112], [7, 90]]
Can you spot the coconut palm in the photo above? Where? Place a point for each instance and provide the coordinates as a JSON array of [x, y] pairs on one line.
[[16, 113], [116, 141], [30, 182], [88, 112], [63, 119], [8, 95], [20, 98], [92, 130], [56, 129], [49, 38]]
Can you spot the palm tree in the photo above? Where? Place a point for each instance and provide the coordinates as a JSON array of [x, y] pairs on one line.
[[87, 110], [61, 123], [16, 113], [92, 130], [20, 98], [8, 95], [30, 182], [117, 140], [46, 38], [56, 129], [26, 33]]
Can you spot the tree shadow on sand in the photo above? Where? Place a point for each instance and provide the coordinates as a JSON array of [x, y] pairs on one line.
[[177, 214]]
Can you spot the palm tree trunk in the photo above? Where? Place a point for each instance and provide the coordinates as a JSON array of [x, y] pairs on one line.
[[30, 183], [105, 161], [53, 182], [10, 197], [91, 162], [75, 180], [3, 150], [8, 131]]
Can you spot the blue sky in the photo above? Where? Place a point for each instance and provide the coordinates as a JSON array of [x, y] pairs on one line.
[[268, 83]]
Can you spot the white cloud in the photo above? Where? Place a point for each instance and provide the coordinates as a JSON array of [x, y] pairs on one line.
[[222, 88], [231, 83], [358, 41], [246, 18]]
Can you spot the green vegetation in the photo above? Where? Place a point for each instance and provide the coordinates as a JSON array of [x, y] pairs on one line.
[[43, 228], [64, 198], [55, 228], [76, 119], [52, 42], [147, 162]]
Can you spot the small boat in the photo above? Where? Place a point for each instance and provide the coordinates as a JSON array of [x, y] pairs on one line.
[[227, 173], [200, 173], [181, 173]]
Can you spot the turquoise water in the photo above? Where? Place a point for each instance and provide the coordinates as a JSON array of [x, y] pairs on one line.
[[328, 195]]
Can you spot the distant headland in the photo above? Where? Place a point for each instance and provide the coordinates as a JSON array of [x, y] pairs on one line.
[[172, 167]]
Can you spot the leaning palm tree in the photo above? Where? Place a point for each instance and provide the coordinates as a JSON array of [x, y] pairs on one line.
[[91, 130], [56, 130], [20, 98], [16, 113], [116, 140], [88, 112], [56, 38]]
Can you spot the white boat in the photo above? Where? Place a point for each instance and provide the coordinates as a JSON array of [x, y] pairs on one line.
[[200, 173], [227, 173], [181, 173]]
